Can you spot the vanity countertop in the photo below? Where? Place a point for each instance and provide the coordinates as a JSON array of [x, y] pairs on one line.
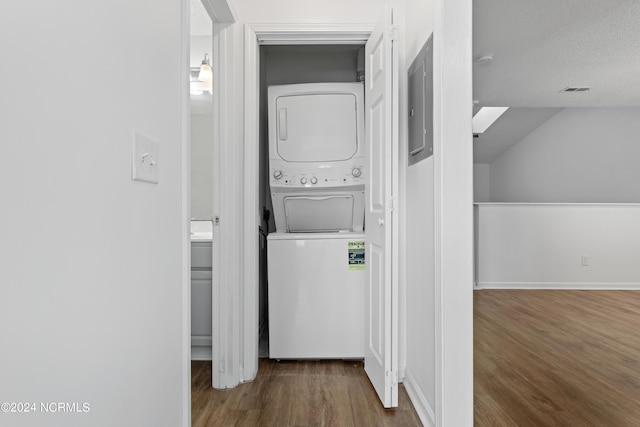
[[201, 231]]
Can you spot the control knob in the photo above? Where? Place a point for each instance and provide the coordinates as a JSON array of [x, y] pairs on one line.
[[314, 180], [303, 180], [356, 172], [277, 174]]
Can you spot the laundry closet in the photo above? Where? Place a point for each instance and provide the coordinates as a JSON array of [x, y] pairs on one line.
[[312, 181]]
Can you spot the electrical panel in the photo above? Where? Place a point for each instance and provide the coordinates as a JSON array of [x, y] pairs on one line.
[[420, 108]]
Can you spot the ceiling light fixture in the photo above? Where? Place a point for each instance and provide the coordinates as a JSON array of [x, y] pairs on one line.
[[205, 73], [486, 117]]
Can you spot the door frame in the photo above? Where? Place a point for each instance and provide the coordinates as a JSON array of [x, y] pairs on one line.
[[453, 215], [185, 208], [222, 14], [254, 36]]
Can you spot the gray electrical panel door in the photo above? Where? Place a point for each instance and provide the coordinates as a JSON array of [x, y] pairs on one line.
[[420, 82]]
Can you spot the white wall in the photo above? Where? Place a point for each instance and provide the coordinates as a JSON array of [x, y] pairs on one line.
[[542, 245], [199, 45], [584, 155], [201, 134], [481, 182], [453, 196], [420, 372], [439, 225], [579, 155], [420, 276], [91, 306], [295, 11], [202, 164]]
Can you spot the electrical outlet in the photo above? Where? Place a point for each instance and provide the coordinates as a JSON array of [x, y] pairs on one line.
[[145, 158], [585, 260]]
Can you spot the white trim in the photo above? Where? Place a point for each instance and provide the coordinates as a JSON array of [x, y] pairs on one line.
[[251, 208], [402, 369], [185, 210], [228, 186], [201, 347], [631, 205], [201, 352], [226, 250], [397, 121], [254, 35], [453, 212], [402, 198], [201, 341], [217, 57], [419, 401], [220, 10], [274, 34], [593, 286]]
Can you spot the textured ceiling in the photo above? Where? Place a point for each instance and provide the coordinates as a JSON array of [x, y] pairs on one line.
[[541, 47]]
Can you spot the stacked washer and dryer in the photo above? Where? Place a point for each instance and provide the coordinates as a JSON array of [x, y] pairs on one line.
[[316, 277]]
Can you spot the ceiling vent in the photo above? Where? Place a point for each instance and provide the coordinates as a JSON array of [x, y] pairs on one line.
[[577, 89]]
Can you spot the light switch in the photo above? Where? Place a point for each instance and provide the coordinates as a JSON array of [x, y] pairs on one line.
[[145, 159]]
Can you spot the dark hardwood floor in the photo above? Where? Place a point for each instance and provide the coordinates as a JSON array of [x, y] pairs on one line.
[[557, 358], [306, 393]]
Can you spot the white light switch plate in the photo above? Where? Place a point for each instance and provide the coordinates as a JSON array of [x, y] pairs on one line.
[[145, 159]]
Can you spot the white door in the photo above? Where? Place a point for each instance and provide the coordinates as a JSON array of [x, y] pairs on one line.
[[381, 123]]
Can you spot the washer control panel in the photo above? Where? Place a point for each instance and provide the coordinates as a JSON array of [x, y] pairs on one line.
[[317, 176]]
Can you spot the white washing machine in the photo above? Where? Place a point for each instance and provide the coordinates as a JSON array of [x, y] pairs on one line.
[[316, 295]]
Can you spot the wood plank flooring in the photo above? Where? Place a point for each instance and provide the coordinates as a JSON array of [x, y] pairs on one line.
[[541, 358], [557, 358], [306, 393]]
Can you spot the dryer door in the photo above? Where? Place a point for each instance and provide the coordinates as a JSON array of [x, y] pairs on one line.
[[319, 213], [316, 127]]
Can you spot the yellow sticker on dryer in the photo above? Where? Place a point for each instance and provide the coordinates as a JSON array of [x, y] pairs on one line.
[[356, 255]]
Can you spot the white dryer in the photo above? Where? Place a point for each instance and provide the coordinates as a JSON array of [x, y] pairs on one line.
[[316, 156]]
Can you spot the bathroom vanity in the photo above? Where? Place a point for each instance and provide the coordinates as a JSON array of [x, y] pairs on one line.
[[201, 282]]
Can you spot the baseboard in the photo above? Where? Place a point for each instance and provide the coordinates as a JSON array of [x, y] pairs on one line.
[[595, 286], [201, 340], [419, 401], [201, 353]]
